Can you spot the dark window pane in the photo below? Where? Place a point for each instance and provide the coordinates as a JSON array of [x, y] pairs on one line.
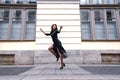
[[31, 15], [85, 15], [110, 15], [17, 15], [7, 1], [98, 15], [32, 1], [19, 1], [6, 15]]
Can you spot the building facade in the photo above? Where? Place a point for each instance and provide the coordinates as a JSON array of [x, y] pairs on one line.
[[90, 34]]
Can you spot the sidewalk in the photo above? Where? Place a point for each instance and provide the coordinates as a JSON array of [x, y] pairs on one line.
[[70, 72]]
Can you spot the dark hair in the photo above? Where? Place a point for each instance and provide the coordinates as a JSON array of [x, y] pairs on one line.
[[52, 27]]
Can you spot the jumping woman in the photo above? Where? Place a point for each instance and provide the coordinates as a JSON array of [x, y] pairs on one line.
[[56, 49]]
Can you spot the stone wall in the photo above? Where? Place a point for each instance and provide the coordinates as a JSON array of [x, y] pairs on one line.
[[31, 57], [21, 57]]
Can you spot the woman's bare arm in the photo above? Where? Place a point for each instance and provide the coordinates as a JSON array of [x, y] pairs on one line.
[[42, 31]]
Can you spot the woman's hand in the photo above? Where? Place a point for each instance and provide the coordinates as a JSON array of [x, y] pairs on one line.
[[61, 27], [42, 30]]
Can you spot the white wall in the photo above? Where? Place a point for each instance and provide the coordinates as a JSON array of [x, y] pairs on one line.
[[64, 14], [17, 45], [100, 45]]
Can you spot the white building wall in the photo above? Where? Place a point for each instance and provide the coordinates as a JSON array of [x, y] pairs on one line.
[[63, 13]]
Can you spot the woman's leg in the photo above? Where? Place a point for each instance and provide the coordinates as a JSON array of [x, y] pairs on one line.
[[51, 49], [61, 59]]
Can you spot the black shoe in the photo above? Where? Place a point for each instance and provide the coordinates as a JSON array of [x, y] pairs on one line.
[[61, 67], [57, 59], [64, 64]]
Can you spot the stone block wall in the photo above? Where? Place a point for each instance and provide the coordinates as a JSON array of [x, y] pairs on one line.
[[21, 57], [31, 57]]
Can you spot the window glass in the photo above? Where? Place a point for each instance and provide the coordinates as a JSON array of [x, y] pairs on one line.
[[99, 25], [86, 31], [84, 1], [112, 31], [17, 14], [118, 1], [85, 15], [98, 15], [6, 1], [30, 24], [31, 15], [85, 23], [99, 30], [6, 15], [4, 22], [16, 25], [97, 1], [31, 1], [108, 1], [18, 1], [110, 14]]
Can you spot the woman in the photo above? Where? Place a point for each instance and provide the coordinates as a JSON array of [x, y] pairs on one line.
[[57, 46]]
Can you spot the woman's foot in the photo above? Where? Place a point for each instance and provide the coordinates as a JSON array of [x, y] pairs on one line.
[[57, 59], [63, 65]]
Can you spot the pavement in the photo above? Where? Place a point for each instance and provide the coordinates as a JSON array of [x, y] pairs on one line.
[[52, 72]]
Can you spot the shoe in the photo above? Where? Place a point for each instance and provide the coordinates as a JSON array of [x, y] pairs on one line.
[[61, 67], [63, 64], [57, 59]]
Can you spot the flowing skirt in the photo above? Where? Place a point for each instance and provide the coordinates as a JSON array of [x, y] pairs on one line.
[[58, 45]]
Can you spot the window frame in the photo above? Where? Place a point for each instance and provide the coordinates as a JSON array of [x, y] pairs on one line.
[[22, 7], [92, 21]]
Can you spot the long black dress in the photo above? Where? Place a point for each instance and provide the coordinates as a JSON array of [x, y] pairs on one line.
[[57, 43]]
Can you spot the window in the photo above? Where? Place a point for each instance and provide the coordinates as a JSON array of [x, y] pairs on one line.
[[16, 25], [98, 15], [84, 2], [108, 1], [112, 31], [19, 26], [110, 15], [85, 16], [30, 24], [31, 1], [118, 1], [97, 1], [6, 1], [6, 15], [4, 23], [111, 24], [85, 23], [18, 1], [99, 24]]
